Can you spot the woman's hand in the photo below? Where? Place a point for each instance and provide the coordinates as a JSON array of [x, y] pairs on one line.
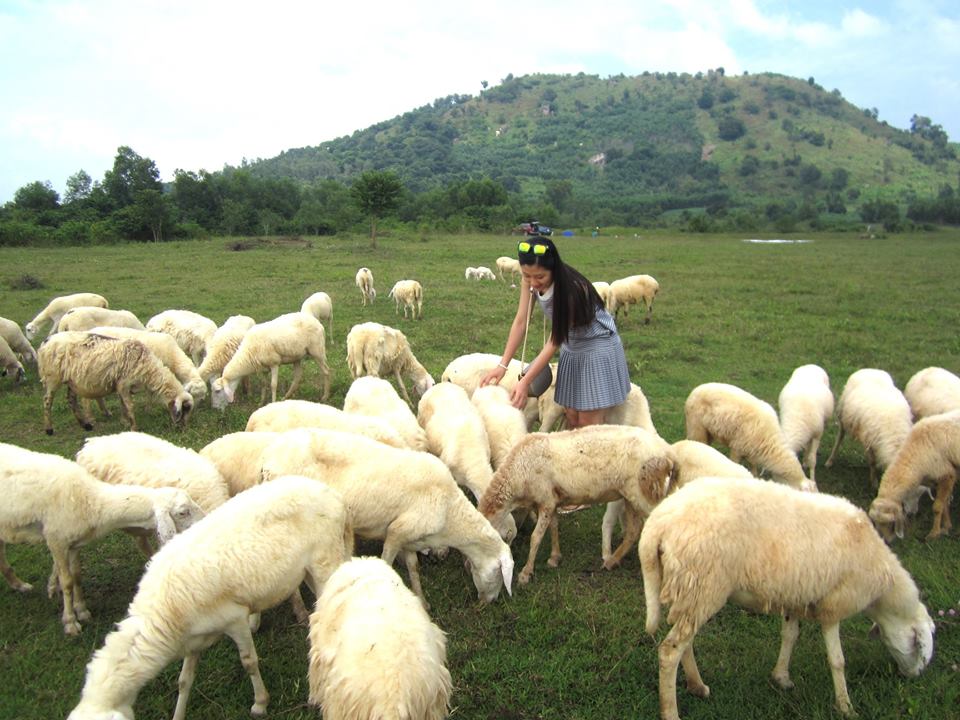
[[493, 377], [519, 396]]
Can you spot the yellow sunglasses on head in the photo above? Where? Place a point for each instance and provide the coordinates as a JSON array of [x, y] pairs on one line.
[[537, 249]]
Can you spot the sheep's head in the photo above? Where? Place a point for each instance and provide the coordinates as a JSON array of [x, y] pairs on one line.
[[494, 574], [30, 330], [909, 640], [175, 513], [888, 517], [180, 407], [197, 388], [221, 394], [423, 384]]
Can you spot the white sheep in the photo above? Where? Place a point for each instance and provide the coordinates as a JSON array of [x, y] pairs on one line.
[[635, 410], [374, 653], [875, 413], [291, 414], [223, 345], [169, 353], [931, 391], [11, 332], [285, 340], [86, 318], [47, 498], [931, 453], [470, 273], [718, 412], [485, 273], [244, 558], [381, 351], [364, 281], [505, 424], [806, 405], [57, 307], [776, 551], [632, 290], [597, 463], [406, 498], [191, 330], [237, 457], [508, 265], [9, 365], [374, 397], [467, 371], [94, 366], [603, 290], [321, 307], [409, 294]]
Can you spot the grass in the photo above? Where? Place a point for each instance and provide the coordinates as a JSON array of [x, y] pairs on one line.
[[571, 644]]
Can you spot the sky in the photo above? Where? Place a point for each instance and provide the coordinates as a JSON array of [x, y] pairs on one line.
[[199, 84]]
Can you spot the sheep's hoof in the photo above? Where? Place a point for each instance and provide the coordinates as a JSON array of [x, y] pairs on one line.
[[49, 431], [554, 561], [23, 587], [524, 577], [610, 563], [88, 426], [699, 690], [72, 628], [258, 709], [783, 681], [845, 708], [83, 614]]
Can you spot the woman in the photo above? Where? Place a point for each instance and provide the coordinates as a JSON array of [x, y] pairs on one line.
[[592, 375]]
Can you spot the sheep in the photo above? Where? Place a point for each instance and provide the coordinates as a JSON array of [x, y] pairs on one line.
[[456, 434], [806, 404], [223, 345], [745, 424], [776, 551], [291, 414], [237, 457], [379, 350], [191, 330], [245, 557], [94, 366], [86, 318], [9, 365], [10, 331], [635, 410], [603, 290], [632, 290], [873, 411], [364, 281], [168, 352], [374, 397], [321, 307], [505, 424], [374, 653], [57, 307], [50, 499], [931, 451], [407, 498], [931, 391], [408, 293], [485, 273], [508, 265], [467, 371], [268, 345], [470, 274], [597, 463]]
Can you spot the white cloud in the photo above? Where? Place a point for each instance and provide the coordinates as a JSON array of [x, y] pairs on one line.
[[857, 23]]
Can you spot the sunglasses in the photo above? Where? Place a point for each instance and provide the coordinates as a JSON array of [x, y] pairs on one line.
[[537, 249]]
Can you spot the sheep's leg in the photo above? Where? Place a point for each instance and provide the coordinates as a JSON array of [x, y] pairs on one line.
[[836, 446], [544, 516], [239, 632], [298, 607], [872, 465], [631, 533], [79, 604], [62, 560], [14, 582], [831, 637], [555, 554], [610, 517], [143, 542], [671, 650], [811, 458], [413, 570], [789, 632], [403, 388], [85, 422], [695, 684], [188, 671], [126, 405], [274, 379], [102, 404], [294, 381], [941, 506], [646, 320], [47, 406]]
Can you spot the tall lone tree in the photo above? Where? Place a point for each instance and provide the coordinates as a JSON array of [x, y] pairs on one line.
[[377, 193]]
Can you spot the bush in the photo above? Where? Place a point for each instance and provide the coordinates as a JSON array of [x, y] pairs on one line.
[[73, 232], [26, 282], [731, 128], [15, 233]]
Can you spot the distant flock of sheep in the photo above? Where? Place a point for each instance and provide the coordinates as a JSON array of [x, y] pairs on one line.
[[708, 530]]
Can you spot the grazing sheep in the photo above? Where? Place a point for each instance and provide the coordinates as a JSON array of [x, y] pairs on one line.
[[191, 330], [806, 404], [376, 398], [87, 318], [374, 653], [875, 413], [169, 353], [508, 265], [9, 365], [244, 558], [470, 274], [718, 412], [775, 551], [379, 351], [94, 366], [505, 424], [930, 391], [237, 457], [17, 341], [931, 452], [321, 307], [57, 307], [603, 290], [597, 463], [291, 414], [47, 498], [467, 371], [408, 293], [485, 273], [632, 290], [285, 340], [223, 345], [407, 498], [365, 283]]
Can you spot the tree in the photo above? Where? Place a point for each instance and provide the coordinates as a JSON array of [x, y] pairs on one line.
[[37, 197], [730, 128], [130, 175], [376, 193], [78, 187]]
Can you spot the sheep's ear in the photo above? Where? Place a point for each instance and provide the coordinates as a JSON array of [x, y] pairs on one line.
[[166, 527], [898, 523], [228, 392], [506, 569]]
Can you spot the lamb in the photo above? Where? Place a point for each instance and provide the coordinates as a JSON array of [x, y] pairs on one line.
[[378, 350], [776, 551], [50, 499], [597, 463], [223, 345], [268, 345], [374, 653], [485, 273], [632, 290], [408, 293], [17, 341], [505, 424], [321, 307], [876, 413], [931, 451], [508, 265], [168, 352], [87, 318], [364, 281], [57, 307], [931, 391], [407, 498], [806, 404], [237, 457], [376, 398], [291, 414], [747, 425], [191, 330], [244, 558], [94, 366], [9, 363], [467, 371]]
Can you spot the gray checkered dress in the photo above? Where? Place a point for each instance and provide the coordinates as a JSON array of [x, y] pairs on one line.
[[592, 373]]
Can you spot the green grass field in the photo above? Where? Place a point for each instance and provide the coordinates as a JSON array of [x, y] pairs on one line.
[[571, 644]]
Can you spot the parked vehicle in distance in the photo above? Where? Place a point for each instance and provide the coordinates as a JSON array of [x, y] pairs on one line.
[[534, 228]]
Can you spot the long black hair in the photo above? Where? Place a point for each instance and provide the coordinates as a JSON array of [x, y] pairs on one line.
[[575, 299]]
